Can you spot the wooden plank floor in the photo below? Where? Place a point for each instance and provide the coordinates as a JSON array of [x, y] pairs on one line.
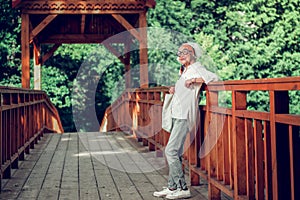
[[90, 166]]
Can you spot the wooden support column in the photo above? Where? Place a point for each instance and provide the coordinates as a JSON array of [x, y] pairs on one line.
[[37, 67], [127, 65], [281, 183], [144, 82], [25, 51], [239, 102]]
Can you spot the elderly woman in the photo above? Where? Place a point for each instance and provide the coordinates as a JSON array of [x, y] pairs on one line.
[[184, 107]]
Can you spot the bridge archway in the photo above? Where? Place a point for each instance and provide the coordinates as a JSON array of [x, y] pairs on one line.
[[57, 22]]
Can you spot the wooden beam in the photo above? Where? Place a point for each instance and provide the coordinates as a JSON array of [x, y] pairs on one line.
[[150, 3], [15, 3], [127, 65], [144, 80], [25, 51], [41, 26], [115, 52], [128, 26], [82, 38], [50, 53], [82, 26], [81, 12], [83, 7]]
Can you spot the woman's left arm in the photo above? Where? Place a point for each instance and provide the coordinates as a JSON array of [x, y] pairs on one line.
[[191, 81]]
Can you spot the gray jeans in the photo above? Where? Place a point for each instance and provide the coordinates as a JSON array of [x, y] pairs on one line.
[[174, 151]]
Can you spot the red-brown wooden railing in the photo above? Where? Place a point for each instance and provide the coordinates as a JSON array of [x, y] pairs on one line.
[[25, 115], [255, 153]]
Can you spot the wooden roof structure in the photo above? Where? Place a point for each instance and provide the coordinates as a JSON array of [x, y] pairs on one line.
[[87, 21]]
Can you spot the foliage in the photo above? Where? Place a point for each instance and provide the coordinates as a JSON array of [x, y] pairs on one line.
[[9, 45]]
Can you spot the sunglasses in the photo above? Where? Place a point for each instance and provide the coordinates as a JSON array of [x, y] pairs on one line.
[[183, 52]]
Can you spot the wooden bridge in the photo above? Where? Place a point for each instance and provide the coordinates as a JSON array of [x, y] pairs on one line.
[[236, 152], [253, 156]]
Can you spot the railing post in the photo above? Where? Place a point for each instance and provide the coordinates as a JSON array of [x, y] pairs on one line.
[[151, 145], [21, 126], [145, 118], [212, 100], [281, 183], [130, 110], [239, 102]]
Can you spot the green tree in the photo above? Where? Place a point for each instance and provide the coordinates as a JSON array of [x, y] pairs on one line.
[[9, 45]]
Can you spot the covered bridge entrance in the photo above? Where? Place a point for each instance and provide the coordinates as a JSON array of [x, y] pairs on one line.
[[56, 22]]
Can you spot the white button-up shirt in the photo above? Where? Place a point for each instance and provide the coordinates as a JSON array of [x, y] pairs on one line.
[[185, 100]]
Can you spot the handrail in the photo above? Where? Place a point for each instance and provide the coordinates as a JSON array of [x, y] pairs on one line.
[[25, 115], [250, 154]]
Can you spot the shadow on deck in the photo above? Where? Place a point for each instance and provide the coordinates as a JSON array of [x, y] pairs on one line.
[[90, 166]]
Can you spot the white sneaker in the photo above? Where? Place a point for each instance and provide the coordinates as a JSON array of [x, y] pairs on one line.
[[163, 193], [179, 194]]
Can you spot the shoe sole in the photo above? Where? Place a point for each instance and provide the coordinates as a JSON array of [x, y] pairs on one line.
[[163, 195], [180, 197]]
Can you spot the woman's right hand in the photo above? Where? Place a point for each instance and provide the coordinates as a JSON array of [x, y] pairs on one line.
[[172, 90]]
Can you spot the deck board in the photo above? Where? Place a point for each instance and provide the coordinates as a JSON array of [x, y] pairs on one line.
[[89, 166]]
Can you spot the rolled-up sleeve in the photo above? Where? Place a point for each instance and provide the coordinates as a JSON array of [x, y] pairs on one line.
[[208, 76]]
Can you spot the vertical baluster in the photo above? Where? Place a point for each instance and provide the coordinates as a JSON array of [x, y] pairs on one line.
[[258, 143], [267, 161], [26, 119], [226, 152], [249, 157], [220, 147], [294, 150]]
